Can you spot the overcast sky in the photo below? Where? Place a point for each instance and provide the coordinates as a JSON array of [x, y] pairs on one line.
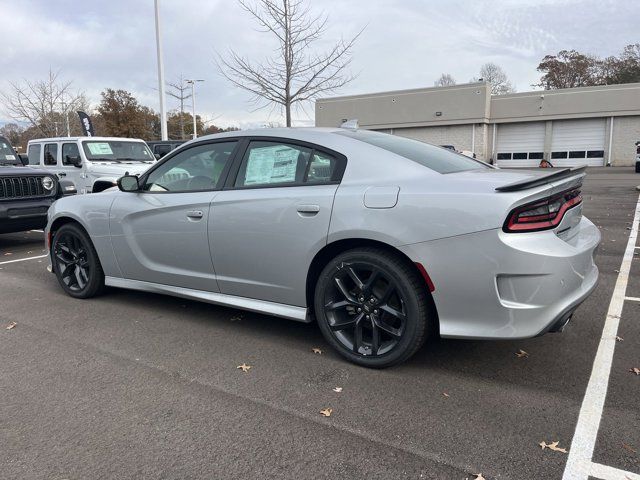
[[406, 44]]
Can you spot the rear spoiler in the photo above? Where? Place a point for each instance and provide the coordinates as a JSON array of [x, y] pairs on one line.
[[542, 180]]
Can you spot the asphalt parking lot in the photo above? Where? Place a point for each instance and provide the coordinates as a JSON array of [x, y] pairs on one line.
[[135, 385]]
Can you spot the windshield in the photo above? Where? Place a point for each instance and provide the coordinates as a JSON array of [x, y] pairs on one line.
[[117, 151], [438, 159], [7, 155]]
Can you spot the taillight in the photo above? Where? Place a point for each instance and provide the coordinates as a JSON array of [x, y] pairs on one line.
[[542, 214]]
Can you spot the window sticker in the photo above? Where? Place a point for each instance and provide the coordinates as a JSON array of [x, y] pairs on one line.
[[275, 164], [10, 157], [100, 148]]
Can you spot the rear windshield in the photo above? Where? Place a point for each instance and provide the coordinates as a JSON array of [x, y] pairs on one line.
[[438, 159]]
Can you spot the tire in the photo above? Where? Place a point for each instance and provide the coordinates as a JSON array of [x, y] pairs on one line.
[[76, 263], [392, 326]]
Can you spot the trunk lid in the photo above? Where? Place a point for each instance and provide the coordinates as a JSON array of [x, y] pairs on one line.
[[523, 187]]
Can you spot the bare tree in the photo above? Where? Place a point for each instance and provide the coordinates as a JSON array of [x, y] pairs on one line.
[[495, 75], [180, 91], [295, 73], [445, 80], [45, 104]]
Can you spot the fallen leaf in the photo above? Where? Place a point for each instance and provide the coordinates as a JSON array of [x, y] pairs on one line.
[[337, 389], [521, 354], [11, 325], [552, 446], [635, 370], [326, 412], [244, 367], [445, 394], [7, 254], [316, 350], [629, 447], [617, 271], [619, 339]]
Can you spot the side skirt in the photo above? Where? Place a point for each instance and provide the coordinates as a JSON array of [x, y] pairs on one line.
[[261, 306]]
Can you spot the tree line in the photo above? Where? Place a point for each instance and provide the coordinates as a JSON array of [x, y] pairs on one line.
[[566, 69], [49, 107]]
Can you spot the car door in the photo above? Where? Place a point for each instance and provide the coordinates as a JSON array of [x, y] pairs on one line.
[[50, 154], [68, 170], [272, 218], [159, 234]]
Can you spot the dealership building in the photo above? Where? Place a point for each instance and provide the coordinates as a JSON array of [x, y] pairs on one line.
[[592, 126]]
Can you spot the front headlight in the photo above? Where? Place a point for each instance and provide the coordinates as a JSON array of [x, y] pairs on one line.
[[48, 183]]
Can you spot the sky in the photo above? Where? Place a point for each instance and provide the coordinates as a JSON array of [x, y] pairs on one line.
[[100, 44]]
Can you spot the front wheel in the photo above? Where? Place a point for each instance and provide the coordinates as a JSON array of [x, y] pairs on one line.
[[371, 305], [76, 262]]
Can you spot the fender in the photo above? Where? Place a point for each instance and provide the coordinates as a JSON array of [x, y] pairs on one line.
[[102, 183]]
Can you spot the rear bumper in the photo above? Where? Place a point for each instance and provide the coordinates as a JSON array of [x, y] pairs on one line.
[[497, 285], [21, 215]]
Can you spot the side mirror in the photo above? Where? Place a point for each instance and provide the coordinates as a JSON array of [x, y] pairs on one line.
[[24, 159], [75, 161], [157, 155], [128, 183]]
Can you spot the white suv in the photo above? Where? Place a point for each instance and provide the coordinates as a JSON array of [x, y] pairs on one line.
[[93, 164]]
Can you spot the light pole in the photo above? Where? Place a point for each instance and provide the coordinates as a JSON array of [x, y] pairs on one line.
[[163, 108], [193, 103]]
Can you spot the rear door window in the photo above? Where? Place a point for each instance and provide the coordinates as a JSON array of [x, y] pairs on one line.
[[273, 163], [321, 168], [51, 154]]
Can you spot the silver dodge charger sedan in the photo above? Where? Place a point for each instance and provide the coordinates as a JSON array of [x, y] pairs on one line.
[[382, 240]]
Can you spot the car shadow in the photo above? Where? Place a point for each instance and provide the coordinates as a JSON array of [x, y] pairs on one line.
[[550, 358]]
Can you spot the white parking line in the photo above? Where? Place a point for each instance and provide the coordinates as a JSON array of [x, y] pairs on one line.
[[22, 259], [633, 299], [584, 439], [605, 472]]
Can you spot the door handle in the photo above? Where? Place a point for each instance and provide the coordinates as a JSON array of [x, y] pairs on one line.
[[308, 209], [62, 174], [196, 214]]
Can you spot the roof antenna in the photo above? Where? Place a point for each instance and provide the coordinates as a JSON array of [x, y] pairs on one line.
[[350, 124]]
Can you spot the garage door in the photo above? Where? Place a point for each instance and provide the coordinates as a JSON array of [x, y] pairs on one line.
[[578, 142], [520, 144]]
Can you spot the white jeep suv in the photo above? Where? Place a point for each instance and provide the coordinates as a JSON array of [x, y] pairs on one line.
[[93, 164]]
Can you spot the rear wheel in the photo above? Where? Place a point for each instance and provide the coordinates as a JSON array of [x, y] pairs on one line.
[[76, 262], [372, 307]]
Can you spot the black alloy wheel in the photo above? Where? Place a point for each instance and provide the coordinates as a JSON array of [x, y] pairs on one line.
[[371, 306], [76, 263]]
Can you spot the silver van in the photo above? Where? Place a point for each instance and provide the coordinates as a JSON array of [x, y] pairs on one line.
[[93, 164]]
